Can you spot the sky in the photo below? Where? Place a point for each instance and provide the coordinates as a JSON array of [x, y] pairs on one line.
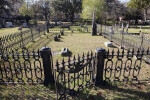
[[124, 0]]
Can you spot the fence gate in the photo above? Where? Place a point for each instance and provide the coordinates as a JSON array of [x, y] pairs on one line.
[[74, 75]]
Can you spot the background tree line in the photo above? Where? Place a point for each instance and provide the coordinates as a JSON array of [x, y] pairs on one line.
[[105, 10]]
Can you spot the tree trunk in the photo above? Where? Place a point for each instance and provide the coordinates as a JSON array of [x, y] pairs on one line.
[[72, 16], [45, 17], [145, 14]]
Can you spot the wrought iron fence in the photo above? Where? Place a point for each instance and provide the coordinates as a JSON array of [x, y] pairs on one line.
[[19, 40], [82, 28], [21, 67], [126, 40], [74, 75], [122, 67], [105, 66]]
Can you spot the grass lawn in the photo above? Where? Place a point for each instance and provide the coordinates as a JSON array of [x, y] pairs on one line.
[[7, 31], [77, 43]]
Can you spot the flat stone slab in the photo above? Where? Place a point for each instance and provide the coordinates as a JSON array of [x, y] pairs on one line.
[[108, 44]]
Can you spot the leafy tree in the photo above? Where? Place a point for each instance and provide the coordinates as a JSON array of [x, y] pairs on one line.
[[44, 8], [104, 9], [140, 4], [24, 10], [132, 14], [68, 7], [90, 6], [6, 8]]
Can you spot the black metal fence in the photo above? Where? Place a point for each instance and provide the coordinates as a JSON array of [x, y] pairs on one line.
[[76, 73], [125, 39], [81, 28], [21, 67], [105, 66], [19, 40]]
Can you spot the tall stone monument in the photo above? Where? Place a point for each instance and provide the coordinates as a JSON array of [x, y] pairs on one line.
[[94, 26]]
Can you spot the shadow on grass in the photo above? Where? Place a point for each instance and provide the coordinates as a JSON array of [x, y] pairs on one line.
[[124, 92], [113, 46], [26, 92]]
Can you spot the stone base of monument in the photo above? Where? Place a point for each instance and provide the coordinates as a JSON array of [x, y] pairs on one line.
[[65, 52], [108, 44]]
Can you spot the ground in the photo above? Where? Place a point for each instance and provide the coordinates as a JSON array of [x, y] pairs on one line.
[[77, 44]]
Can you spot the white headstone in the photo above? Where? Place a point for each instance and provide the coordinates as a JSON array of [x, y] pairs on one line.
[[108, 44], [9, 24], [122, 25], [24, 24]]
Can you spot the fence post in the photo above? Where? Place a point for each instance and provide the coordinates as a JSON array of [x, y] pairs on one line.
[[47, 65], [39, 32], [47, 27], [142, 37], [122, 38], [22, 39], [32, 35], [101, 53]]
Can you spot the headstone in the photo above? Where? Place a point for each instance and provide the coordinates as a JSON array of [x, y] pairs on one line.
[[55, 21], [62, 32], [20, 28], [108, 44], [59, 36], [25, 25], [122, 25], [9, 24], [65, 52], [140, 27], [55, 38]]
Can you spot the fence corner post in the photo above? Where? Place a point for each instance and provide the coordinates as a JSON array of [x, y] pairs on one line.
[[101, 54], [47, 65]]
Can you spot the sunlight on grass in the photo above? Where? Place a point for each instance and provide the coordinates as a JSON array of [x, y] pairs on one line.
[[7, 31]]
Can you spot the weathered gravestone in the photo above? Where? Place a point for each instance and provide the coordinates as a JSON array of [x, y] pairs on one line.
[[59, 36], [65, 52], [108, 44], [55, 20], [24, 25], [9, 24], [122, 26], [62, 32], [55, 38]]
